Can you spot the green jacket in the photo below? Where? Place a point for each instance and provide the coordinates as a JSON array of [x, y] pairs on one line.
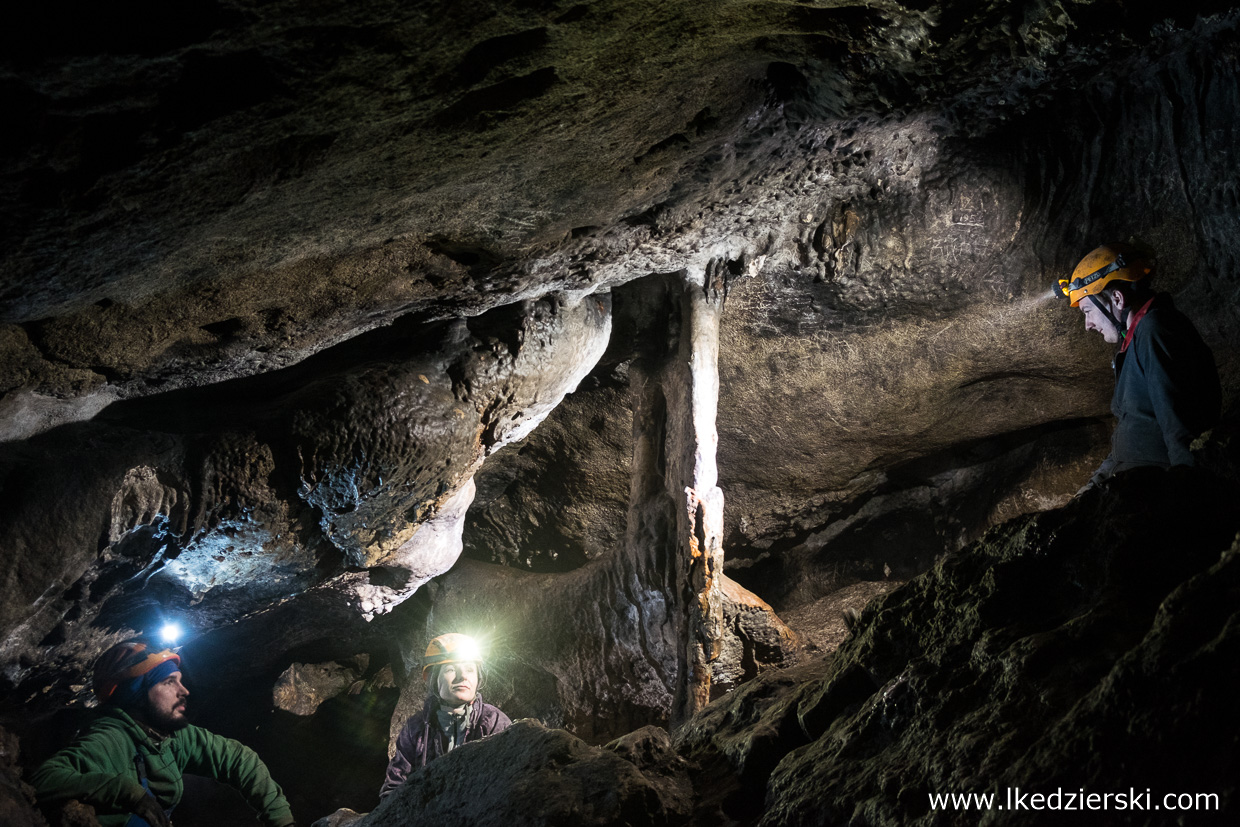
[[98, 769]]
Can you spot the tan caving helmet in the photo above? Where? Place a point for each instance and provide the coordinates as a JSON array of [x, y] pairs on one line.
[[451, 648], [125, 670]]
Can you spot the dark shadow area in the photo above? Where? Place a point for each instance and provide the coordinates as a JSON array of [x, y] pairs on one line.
[[905, 535], [76, 27]]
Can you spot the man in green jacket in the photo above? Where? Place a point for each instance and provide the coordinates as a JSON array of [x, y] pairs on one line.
[[128, 762]]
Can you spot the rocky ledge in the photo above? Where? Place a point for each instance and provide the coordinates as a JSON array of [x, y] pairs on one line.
[[1093, 649]]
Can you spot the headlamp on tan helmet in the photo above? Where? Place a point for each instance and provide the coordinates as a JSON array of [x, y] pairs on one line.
[[451, 648], [1108, 263]]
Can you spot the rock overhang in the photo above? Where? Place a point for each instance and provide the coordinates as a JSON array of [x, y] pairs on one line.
[[239, 195]]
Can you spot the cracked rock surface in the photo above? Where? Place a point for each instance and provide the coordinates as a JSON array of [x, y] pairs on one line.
[[243, 496]]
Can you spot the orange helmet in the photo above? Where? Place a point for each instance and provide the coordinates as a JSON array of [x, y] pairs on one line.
[[451, 648], [1108, 263], [119, 672]]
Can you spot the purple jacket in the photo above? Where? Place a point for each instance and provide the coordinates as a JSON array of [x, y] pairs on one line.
[[421, 740]]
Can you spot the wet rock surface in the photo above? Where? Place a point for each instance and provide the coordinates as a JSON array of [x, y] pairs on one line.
[[964, 680]]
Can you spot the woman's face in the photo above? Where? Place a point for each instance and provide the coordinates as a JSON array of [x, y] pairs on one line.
[[457, 683]]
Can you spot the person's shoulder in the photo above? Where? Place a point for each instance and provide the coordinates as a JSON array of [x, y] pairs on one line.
[[112, 722], [108, 731], [1164, 321], [492, 713], [194, 743], [196, 740]]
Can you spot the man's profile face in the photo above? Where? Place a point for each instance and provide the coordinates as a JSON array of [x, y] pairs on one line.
[[1097, 321], [457, 683], [165, 704]]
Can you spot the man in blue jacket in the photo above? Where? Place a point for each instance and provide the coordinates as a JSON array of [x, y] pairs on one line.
[[453, 714], [1166, 384]]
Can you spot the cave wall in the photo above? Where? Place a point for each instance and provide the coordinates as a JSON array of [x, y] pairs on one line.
[[254, 354], [211, 505], [1113, 679], [897, 360]]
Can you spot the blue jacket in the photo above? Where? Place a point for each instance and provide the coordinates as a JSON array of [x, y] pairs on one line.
[[1166, 391]]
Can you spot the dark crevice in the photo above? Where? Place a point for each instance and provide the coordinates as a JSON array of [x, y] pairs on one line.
[[481, 107], [494, 52], [212, 85], [677, 140], [912, 536], [475, 258], [1007, 375]]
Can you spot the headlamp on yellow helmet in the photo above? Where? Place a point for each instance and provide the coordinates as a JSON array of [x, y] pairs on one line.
[[1108, 263]]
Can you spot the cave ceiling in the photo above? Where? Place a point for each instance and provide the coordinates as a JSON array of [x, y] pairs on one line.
[[280, 280]]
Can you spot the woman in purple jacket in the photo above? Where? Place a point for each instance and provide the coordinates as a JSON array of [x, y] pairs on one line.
[[453, 714]]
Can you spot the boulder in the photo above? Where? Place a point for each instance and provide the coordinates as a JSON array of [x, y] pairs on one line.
[[530, 775]]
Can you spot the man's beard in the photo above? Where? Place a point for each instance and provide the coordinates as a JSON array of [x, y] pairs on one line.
[[165, 722]]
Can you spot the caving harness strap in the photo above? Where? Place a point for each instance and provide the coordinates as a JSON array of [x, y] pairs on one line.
[[1118, 362], [134, 820]]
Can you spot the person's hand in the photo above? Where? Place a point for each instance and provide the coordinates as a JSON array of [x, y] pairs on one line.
[[148, 810]]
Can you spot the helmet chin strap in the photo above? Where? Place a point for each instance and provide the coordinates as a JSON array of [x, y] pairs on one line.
[[1120, 326]]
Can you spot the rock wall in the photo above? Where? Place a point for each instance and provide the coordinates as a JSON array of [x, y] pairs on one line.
[[344, 475], [258, 336], [1113, 676], [1109, 675]]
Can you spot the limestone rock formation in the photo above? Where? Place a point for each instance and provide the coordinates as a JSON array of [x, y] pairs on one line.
[[967, 681], [531, 775], [300, 306], [304, 686], [355, 482], [754, 640], [1114, 677]]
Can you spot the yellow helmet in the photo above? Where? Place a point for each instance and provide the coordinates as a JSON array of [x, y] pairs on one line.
[[1108, 263], [451, 648]]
